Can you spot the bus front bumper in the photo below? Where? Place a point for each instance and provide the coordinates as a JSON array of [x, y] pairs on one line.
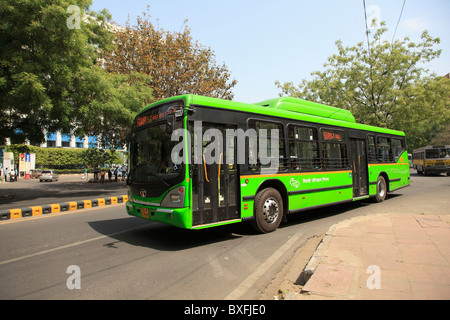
[[177, 217], [438, 170]]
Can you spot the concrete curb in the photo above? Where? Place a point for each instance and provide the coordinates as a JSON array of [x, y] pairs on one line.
[[60, 207], [315, 260]]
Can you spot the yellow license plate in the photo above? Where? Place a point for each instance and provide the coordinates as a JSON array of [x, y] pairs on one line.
[[144, 212]]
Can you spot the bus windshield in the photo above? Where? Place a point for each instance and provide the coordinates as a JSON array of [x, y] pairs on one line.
[[150, 156], [438, 153]]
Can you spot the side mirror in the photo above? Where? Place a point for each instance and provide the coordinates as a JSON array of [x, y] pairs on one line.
[[170, 126]]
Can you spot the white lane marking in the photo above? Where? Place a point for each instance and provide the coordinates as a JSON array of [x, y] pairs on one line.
[[68, 246], [237, 293]]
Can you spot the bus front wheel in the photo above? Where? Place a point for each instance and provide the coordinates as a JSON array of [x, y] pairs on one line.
[[381, 189], [268, 210]]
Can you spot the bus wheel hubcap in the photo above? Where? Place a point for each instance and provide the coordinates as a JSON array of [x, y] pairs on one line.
[[381, 188], [270, 210]]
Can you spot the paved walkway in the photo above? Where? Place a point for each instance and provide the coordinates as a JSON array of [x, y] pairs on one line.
[[384, 256]]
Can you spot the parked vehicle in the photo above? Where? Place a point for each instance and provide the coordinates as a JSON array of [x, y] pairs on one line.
[[48, 175], [36, 174]]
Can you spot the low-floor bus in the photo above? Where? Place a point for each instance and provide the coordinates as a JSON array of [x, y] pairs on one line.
[[323, 157]]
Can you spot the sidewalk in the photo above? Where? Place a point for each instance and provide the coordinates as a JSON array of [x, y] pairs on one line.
[[384, 256]]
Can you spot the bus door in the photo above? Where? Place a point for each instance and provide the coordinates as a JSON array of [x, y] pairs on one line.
[[359, 167], [215, 179]]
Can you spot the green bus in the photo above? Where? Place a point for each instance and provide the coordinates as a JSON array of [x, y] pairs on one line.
[[197, 162]]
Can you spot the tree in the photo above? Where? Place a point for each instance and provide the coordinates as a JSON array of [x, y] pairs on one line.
[[443, 137], [176, 64], [39, 57], [385, 84], [108, 103], [94, 157], [426, 111], [51, 77]]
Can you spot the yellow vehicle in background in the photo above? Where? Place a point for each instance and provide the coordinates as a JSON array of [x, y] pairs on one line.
[[432, 160]]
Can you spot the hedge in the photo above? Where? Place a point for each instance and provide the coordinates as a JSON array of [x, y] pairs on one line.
[[55, 158]]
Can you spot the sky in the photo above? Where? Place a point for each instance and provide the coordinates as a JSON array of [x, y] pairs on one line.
[[262, 41]]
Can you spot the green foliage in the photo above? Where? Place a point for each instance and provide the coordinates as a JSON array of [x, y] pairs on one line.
[[51, 78], [94, 157], [48, 157], [442, 138], [175, 62], [108, 103], [385, 85], [66, 158], [426, 111]]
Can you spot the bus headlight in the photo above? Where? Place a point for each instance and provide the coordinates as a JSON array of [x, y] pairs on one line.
[[175, 198]]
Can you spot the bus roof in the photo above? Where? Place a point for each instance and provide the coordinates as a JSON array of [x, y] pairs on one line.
[[308, 107], [285, 107], [432, 147]]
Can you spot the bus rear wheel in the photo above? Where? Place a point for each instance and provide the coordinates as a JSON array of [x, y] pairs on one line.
[[268, 210], [381, 189]]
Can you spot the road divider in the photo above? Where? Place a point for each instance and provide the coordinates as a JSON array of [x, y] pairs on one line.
[[59, 207], [87, 204], [36, 211], [47, 209], [73, 205], [55, 208]]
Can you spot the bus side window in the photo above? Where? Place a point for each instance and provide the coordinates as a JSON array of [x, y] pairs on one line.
[[304, 148], [397, 147], [372, 149], [334, 150], [266, 140], [384, 151]]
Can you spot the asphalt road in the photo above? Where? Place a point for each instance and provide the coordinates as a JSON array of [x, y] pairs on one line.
[[123, 257], [31, 192]]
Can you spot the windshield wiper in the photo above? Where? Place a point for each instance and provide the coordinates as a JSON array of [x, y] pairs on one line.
[[160, 179]]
